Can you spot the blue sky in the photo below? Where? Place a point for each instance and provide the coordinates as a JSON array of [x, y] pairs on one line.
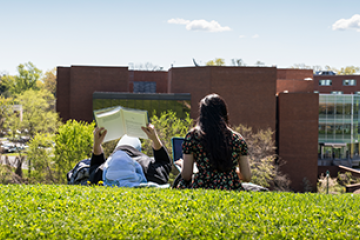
[[118, 33]]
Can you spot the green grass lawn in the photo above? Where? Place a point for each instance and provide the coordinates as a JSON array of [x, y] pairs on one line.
[[75, 212]]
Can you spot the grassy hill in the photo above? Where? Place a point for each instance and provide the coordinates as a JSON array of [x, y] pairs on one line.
[[75, 212]]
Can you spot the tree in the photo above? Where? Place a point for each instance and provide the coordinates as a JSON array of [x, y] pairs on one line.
[[259, 64], [262, 158], [25, 80], [37, 116], [6, 109], [49, 81], [216, 62], [238, 62], [348, 70]]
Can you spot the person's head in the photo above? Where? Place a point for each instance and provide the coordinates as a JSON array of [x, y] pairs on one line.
[[215, 135], [213, 107], [130, 141]]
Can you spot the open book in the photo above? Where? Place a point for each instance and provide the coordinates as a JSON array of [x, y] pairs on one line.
[[119, 121]]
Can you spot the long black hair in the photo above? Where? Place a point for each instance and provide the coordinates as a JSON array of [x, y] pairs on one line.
[[215, 136]]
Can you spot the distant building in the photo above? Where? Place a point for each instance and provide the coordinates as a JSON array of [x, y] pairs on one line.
[[339, 119]]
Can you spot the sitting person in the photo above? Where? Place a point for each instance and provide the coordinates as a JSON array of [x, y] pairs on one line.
[[216, 149], [127, 166]]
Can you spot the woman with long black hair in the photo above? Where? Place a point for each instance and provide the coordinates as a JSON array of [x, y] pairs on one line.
[[216, 149]]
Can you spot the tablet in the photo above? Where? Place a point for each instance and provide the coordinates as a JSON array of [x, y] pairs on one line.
[[177, 152], [177, 149]]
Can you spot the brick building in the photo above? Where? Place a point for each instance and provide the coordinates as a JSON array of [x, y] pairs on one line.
[[259, 97]]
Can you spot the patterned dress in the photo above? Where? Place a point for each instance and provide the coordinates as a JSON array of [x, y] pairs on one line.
[[207, 177]]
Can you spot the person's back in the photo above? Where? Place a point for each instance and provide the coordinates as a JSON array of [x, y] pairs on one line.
[[216, 149]]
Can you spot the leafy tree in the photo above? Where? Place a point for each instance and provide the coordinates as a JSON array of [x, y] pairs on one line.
[[73, 143], [261, 152], [25, 80], [40, 154], [348, 70], [216, 62], [49, 81], [38, 115], [6, 109]]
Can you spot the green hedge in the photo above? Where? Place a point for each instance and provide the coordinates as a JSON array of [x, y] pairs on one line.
[[75, 212]]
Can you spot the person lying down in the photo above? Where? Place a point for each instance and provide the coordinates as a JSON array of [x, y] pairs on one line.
[[127, 166]]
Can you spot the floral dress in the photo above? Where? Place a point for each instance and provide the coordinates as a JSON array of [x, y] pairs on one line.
[[208, 177]]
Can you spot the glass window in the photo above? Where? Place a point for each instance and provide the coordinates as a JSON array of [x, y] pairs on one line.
[[329, 131], [144, 87], [326, 82], [316, 91], [336, 92], [322, 130], [349, 82]]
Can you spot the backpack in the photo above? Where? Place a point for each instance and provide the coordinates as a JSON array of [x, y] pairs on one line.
[[80, 173]]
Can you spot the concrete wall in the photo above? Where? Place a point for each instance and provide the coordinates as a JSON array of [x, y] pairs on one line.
[[298, 137], [248, 91]]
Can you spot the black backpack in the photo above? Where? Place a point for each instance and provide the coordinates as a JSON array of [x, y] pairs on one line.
[[80, 173]]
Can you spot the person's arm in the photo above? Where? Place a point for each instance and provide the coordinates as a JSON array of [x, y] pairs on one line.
[[187, 167], [244, 166], [99, 135], [153, 136]]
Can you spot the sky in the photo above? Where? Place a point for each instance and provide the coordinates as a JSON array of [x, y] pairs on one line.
[[168, 33]]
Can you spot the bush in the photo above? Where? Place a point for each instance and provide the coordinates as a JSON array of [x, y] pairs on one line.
[[262, 158], [41, 159], [168, 125], [73, 143]]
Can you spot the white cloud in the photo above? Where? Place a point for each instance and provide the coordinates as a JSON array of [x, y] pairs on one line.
[[241, 36], [200, 25], [342, 24], [256, 36]]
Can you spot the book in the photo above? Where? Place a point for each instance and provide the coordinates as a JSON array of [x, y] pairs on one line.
[[119, 121]]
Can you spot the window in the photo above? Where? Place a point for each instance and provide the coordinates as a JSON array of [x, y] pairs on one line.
[[336, 92], [325, 82], [144, 87], [349, 82], [316, 91]]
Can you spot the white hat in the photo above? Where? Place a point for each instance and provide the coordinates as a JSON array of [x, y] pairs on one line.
[[130, 141]]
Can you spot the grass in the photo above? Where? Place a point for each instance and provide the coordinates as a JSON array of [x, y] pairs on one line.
[[75, 212]]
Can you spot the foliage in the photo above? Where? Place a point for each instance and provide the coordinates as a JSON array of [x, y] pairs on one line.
[[40, 159], [25, 80], [6, 109], [216, 62], [332, 183], [38, 115], [262, 157], [73, 143], [168, 125], [238, 62], [48, 81], [80, 212]]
